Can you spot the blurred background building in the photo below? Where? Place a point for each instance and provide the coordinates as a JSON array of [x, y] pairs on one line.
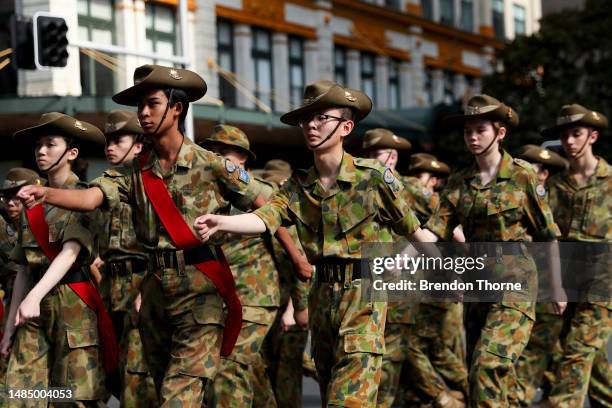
[[256, 56]]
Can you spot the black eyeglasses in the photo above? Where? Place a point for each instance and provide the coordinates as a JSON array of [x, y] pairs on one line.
[[318, 119]]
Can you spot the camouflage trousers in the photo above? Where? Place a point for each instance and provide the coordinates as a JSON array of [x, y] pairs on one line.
[[58, 349], [137, 386], [496, 335], [396, 343], [181, 326], [537, 358], [347, 343], [590, 326], [283, 354], [435, 350], [233, 384]]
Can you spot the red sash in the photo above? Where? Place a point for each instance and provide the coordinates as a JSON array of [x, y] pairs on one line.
[[182, 236], [86, 291]]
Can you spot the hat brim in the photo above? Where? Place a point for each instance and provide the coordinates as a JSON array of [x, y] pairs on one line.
[[497, 115], [321, 104], [133, 95], [29, 135], [553, 132]]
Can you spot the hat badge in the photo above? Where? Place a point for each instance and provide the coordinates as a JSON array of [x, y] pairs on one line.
[[595, 116], [395, 138], [79, 125], [435, 164], [509, 114], [349, 96], [472, 110], [174, 74], [544, 154]]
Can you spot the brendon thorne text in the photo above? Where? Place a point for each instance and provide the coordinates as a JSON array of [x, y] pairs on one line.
[[455, 285]]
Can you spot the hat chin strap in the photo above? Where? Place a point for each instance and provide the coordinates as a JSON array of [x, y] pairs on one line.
[[47, 170], [128, 152], [488, 147], [584, 145], [328, 136], [164, 115]]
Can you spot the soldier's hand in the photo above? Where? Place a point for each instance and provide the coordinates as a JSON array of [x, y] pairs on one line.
[[32, 195], [5, 345], [560, 298], [301, 318], [206, 225], [138, 302], [287, 320], [303, 268], [29, 309]]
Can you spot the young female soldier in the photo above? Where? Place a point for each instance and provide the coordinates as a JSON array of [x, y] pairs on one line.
[[59, 325]]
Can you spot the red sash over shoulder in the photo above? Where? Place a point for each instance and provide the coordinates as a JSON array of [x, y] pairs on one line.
[[86, 291], [217, 271]]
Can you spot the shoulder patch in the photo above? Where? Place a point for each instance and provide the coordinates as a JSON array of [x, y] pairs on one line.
[[243, 175], [388, 176], [229, 166], [540, 190]]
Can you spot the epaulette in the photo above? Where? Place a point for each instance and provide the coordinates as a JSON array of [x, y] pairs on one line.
[[264, 181], [522, 163], [387, 175], [114, 172], [369, 163]]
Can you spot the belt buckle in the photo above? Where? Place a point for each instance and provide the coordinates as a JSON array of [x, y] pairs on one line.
[[159, 259]]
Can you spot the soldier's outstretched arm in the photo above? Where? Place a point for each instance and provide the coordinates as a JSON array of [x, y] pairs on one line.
[[244, 224], [424, 235], [75, 200], [20, 288]]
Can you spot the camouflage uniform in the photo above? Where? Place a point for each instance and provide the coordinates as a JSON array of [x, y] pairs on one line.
[[363, 206], [257, 284], [283, 351], [181, 317], [507, 209], [125, 263], [584, 215], [61, 347]]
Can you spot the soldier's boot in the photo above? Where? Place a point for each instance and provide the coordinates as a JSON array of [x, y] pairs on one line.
[[446, 400]]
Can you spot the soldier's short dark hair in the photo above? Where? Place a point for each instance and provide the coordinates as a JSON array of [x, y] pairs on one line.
[[347, 113], [175, 96]]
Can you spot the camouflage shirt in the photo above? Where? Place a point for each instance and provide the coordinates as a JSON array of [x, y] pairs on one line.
[[364, 205], [64, 226], [200, 182], [116, 233], [422, 201], [583, 213], [8, 239], [251, 261], [507, 209]]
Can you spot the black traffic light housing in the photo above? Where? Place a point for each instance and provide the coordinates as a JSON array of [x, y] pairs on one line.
[[22, 42], [50, 41]]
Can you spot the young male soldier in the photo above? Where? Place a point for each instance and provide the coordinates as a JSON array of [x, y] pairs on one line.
[[181, 318], [337, 206], [435, 346], [537, 357], [125, 263], [384, 146], [256, 279], [581, 200]]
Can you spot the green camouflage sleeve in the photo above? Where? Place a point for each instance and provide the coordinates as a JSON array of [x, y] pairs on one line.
[[238, 186], [395, 208], [77, 231], [299, 294], [115, 184], [539, 213], [275, 214], [445, 218]]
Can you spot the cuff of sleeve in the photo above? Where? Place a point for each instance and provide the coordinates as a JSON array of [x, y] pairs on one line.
[[407, 225], [268, 219], [109, 190], [75, 232], [299, 295], [437, 228], [549, 234]]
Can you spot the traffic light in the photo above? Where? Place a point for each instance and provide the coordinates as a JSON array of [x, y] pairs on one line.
[[50, 41], [22, 42]]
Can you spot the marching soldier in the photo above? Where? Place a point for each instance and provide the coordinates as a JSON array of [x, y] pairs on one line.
[[384, 146], [533, 364], [337, 205], [435, 346], [494, 199], [60, 326], [181, 320], [581, 200], [257, 284], [125, 264]]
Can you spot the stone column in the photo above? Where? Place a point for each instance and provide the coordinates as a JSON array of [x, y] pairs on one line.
[[417, 70], [353, 69], [311, 61], [204, 44], [244, 64], [381, 78], [325, 41], [485, 18], [437, 84], [280, 60], [459, 86]]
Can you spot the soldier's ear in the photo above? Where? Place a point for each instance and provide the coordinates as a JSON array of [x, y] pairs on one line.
[[594, 135]]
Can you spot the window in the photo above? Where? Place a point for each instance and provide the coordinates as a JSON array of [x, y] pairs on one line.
[[161, 29], [340, 65], [225, 52], [467, 15], [429, 85], [519, 19], [394, 4], [262, 63], [498, 19], [447, 12], [427, 8], [367, 74], [394, 84], [96, 24], [296, 71], [449, 81]]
